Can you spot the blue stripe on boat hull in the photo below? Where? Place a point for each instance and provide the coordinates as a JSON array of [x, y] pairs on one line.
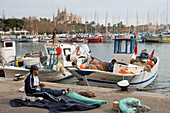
[[108, 82], [145, 80], [84, 73]]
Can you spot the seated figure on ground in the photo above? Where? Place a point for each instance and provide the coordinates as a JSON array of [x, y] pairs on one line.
[[33, 87]]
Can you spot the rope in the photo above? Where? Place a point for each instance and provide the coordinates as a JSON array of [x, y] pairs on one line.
[[3, 59], [154, 88]]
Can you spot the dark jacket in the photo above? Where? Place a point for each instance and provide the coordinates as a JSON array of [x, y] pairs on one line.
[[110, 67], [29, 85]]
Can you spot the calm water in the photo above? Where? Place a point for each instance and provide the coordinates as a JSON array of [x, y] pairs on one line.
[[104, 52]]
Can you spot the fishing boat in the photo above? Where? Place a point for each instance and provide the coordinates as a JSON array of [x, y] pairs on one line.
[[150, 38], [32, 39], [51, 67], [94, 39], [107, 39], [138, 74], [164, 37], [78, 40]]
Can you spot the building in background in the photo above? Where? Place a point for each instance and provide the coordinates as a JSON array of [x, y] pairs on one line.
[[64, 17], [147, 28]]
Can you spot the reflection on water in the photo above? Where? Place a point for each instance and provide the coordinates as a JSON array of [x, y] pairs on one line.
[[104, 52]]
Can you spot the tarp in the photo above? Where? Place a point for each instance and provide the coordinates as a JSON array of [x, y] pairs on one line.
[[67, 103], [85, 99]]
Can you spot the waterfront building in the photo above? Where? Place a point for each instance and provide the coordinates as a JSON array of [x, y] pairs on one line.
[[146, 28], [152, 28]]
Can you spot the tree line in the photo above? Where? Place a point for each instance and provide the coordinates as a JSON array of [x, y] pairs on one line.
[[44, 25]]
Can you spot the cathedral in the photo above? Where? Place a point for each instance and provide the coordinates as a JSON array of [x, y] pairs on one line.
[[64, 17]]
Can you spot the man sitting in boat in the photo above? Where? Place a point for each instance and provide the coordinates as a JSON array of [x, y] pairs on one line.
[[110, 66], [33, 87]]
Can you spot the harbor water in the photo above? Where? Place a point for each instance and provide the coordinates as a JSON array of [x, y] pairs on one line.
[[104, 52]]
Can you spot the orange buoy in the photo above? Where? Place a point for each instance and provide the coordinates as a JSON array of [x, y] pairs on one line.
[[151, 63], [82, 66], [123, 71]]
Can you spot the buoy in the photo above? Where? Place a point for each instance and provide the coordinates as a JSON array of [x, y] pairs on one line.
[[16, 63], [82, 66], [123, 71], [59, 50], [124, 84], [19, 60], [151, 63]]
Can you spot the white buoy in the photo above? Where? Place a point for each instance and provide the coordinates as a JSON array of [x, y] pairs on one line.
[[124, 84]]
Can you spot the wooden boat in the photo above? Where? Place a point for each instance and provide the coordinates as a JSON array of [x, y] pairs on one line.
[[78, 40], [51, 67], [164, 37], [107, 39], [137, 75], [94, 39]]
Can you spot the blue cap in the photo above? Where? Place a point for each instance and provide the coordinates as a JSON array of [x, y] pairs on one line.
[[33, 67]]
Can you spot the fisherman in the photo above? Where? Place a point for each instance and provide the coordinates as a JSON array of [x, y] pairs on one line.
[[110, 66], [33, 87]]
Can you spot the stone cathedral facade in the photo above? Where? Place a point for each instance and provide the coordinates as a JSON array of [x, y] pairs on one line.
[[64, 17]]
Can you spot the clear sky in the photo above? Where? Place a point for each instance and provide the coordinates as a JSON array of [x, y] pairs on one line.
[[117, 10]]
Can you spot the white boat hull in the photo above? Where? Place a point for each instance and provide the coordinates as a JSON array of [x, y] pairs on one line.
[[32, 39], [44, 74], [10, 71], [110, 79], [107, 40]]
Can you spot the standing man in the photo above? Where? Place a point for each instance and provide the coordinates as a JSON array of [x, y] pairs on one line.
[[33, 87], [110, 66]]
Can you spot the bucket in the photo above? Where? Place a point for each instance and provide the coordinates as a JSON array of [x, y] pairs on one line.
[[115, 105]]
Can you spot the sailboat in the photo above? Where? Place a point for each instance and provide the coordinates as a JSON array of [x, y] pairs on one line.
[[163, 37], [106, 38], [96, 36]]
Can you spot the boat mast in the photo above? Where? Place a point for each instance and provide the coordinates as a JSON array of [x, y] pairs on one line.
[[91, 23], [3, 17], [157, 21], [106, 22], [85, 24], [167, 17], [95, 22], [136, 21], [148, 21], [127, 21], [113, 19]]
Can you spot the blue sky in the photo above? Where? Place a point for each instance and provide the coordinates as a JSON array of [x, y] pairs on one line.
[[116, 9]]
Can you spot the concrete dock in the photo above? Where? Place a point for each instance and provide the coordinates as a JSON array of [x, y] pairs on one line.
[[9, 89]]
